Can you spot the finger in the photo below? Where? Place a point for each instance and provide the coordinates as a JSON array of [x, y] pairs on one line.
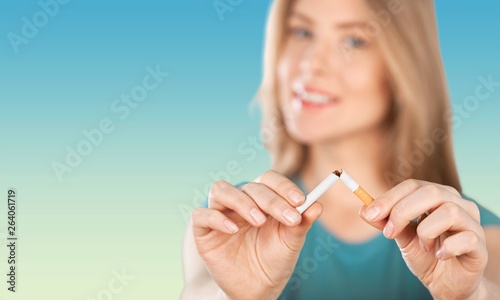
[[424, 199], [272, 203], [206, 219], [381, 207], [448, 217], [465, 243], [294, 237], [224, 196], [282, 186], [377, 224]]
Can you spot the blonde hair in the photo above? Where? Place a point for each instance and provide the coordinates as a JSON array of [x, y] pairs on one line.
[[410, 48]]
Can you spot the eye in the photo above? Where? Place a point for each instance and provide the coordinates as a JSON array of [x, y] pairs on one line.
[[301, 33], [355, 42]]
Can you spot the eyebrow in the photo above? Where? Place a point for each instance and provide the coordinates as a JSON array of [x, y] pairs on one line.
[[351, 24], [340, 25], [297, 15]]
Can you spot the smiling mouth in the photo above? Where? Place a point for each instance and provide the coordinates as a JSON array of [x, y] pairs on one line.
[[312, 96]]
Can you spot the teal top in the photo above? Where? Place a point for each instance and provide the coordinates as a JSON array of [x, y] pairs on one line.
[[329, 268]]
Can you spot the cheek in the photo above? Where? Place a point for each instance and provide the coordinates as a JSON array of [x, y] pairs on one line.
[[367, 91], [283, 75], [290, 60], [283, 72], [287, 70]]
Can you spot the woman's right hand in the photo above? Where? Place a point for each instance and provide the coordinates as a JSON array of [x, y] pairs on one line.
[[250, 238]]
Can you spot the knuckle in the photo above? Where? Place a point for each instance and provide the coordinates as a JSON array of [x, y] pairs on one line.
[[211, 217], [218, 187], [452, 190], [452, 209], [411, 183], [250, 187], [265, 175], [277, 204], [398, 211], [196, 213], [473, 210], [473, 238], [284, 185], [432, 190], [385, 200]]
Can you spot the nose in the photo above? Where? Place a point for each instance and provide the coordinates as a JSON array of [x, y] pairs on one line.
[[315, 60]]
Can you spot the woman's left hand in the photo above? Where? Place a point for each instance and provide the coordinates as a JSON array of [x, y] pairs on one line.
[[445, 247]]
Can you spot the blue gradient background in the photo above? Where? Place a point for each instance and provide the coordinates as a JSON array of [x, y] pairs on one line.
[[125, 206]]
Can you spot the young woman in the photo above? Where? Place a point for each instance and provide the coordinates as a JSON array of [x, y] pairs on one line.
[[355, 85]]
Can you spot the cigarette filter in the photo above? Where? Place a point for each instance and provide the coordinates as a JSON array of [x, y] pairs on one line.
[[355, 187]]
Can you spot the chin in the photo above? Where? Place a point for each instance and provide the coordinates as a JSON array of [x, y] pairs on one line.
[[311, 134], [315, 132]]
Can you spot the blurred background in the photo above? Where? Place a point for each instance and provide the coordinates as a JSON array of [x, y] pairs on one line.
[[117, 116]]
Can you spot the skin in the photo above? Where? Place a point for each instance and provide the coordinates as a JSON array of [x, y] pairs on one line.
[[250, 238]]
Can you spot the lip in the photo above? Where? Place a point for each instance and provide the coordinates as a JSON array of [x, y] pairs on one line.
[[299, 102]]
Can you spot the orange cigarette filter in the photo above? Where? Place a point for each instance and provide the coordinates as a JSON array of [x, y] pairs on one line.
[[354, 187], [363, 196]]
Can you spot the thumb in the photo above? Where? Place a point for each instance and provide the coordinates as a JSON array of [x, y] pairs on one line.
[[403, 239], [377, 224], [295, 236]]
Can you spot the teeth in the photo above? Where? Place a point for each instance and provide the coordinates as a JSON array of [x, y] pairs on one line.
[[310, 97], [313, 97], [317, 98]]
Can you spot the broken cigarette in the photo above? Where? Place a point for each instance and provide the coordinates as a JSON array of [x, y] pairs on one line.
[[354, 187], [328, 182], [318, 191]]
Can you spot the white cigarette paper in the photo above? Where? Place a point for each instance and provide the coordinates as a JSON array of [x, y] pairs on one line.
[[348, 181], [317, 192]]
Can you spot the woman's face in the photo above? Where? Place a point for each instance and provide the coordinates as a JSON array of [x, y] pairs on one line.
[[331, 74]]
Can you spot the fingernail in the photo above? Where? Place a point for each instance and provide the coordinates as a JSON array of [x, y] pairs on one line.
[[389, 229], [233, 228], [292, 216], [440, 253], [257, 215], [296, 197], [372, 212]]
